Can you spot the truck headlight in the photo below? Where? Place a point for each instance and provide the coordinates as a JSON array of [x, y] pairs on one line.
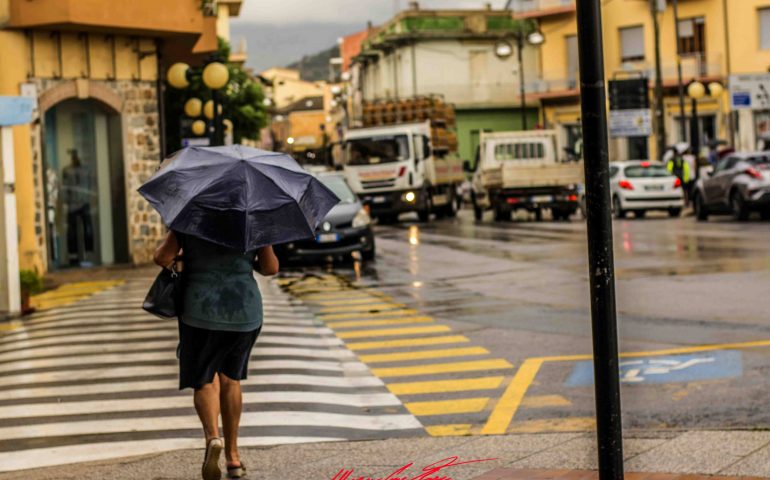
[[410, 197], [361, 219]]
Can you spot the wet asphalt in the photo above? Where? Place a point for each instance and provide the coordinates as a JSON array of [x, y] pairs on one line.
[[520, 289]]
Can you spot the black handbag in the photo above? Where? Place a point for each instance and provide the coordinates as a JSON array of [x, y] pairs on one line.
[[164, 299]]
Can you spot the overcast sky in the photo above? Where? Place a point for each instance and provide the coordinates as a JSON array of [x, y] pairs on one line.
[[279, 32]]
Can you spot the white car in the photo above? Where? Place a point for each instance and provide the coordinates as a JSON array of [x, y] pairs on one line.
[[639, 186]]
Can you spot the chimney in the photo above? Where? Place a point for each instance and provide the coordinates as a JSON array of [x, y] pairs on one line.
[[414, 5]]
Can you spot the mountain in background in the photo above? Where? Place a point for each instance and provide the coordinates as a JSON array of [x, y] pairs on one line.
[[315, 67]]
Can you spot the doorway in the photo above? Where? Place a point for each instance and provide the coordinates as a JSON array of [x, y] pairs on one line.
[[85, 189]]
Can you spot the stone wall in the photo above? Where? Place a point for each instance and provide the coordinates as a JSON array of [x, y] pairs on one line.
[[136, 103]]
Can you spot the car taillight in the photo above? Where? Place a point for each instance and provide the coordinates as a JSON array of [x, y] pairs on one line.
[[401, 171], [677, 183], [625, 184], [572, 198], [754, 173], [645, 164], [511, 200]]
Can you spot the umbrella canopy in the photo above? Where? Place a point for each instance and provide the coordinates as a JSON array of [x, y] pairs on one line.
[[240, 197]]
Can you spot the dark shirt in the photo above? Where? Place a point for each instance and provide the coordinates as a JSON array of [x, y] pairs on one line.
[[220, 291]]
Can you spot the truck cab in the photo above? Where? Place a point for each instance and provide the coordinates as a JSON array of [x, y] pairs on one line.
[[394, 169]]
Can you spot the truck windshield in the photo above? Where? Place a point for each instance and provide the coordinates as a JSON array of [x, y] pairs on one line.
[[379, 149]]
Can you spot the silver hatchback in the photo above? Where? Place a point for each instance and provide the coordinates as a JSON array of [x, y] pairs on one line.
[[738, 185]]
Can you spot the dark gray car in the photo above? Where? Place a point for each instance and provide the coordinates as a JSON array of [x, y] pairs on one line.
[[738, 185], [346, 228]]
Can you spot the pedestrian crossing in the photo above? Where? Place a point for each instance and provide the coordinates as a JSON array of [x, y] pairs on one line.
[[450, 385], [98, 379]]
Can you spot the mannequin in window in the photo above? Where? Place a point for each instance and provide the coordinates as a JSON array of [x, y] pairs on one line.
[[77, 192]]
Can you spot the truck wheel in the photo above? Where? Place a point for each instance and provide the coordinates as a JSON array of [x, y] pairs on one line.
[[539, 215], [424, 214], [478, 213], [450, 210], [502, 215], [674, 212]]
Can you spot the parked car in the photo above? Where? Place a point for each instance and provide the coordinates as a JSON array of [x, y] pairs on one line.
[[640, 186], [347, 228], [738, 185]]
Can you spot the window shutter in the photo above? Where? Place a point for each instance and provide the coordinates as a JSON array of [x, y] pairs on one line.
[[764, 29], [632, 43]]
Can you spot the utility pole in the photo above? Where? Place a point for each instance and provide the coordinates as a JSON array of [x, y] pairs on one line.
[[593, 97], [682, 124], [660, 118]]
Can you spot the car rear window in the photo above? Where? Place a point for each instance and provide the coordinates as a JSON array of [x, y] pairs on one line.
[[653, 171]]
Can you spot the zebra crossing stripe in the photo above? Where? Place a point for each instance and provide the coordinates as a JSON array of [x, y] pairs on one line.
[[98, 379]]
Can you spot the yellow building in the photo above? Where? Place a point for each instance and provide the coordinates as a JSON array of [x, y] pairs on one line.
[[93, 68], [715, 40]]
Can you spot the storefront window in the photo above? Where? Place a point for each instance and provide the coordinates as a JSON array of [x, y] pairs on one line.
[[85, 205]]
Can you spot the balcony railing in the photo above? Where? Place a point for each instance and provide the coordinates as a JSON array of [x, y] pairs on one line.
[[536, 8]]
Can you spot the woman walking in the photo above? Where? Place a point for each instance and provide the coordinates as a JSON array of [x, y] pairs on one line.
[[220, 319]]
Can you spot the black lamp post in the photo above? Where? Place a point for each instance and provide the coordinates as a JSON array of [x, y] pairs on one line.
[[696, 91], [503, 50]]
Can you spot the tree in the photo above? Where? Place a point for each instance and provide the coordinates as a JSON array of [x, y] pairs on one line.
[[242, 103]]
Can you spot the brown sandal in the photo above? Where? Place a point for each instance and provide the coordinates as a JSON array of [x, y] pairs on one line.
[[236, 472], [210, 469]]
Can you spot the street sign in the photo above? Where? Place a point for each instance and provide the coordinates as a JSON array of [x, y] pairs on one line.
[[196, 142], [629, 94], [15, 110], [631, 123], [750, 92], [667, 369]]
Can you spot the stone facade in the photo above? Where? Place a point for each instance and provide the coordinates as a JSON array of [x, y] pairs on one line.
[[136, 103]]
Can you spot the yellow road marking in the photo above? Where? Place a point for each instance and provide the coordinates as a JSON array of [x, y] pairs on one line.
[[70, 293], [448, 352], [352, 292], [447, 407], [372, 307], [10, 326], [439, 386], [353, 301], [442, 368], [408, 342], [545, 401], [374, 323], [392, 313], [386, 332], [455, 429], [509, 402], [570, 424], [666, 351]]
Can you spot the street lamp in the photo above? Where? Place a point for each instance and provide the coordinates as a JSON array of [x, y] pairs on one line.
[[696, 91], [503, 50], [214, 76]]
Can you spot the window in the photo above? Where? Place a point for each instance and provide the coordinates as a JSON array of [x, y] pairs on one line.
[[519, 151], [573, 65], [652, 171], [707, 124], [637, 148], [632, 44], [764, 29], [692, 36]]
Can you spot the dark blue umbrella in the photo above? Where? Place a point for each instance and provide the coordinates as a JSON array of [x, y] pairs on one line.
[[240, 197]]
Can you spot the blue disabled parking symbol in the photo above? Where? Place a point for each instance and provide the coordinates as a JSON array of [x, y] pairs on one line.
[[667, 369]]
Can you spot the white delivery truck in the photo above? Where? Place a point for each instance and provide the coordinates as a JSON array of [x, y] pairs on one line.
[[522, 170], [402, 168]]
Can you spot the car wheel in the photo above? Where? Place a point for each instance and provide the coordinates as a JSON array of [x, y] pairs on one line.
[[502, 215], [640, 213], [674, 212], [765, 214], [539, 215], [738, 206], [368, 255], [701, 212], [451, 207], [617, 209]]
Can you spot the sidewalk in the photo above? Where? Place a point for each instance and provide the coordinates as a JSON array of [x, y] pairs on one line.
[[553, 455]]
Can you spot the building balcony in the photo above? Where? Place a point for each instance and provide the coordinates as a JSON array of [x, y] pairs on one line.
[[134, 17], [541, 8]]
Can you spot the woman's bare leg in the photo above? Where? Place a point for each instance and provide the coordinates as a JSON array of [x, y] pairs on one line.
[[232, 405], [206, 401]]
